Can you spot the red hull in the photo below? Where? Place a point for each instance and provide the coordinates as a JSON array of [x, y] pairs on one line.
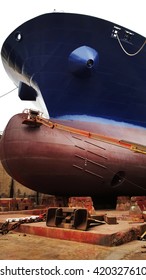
[[58, 162]]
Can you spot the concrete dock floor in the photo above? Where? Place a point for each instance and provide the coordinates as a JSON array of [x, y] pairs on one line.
[[18, 246], [109, 242]]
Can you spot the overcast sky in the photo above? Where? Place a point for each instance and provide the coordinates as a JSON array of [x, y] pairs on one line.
[[128, 13]]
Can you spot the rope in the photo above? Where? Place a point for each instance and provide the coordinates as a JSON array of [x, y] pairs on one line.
[[7, 92], [130, 54]]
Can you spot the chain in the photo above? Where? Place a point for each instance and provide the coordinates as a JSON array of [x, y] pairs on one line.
[[4, 228], [11, 224]]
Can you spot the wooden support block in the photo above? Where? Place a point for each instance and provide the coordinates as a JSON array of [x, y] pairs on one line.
[[110, 220]]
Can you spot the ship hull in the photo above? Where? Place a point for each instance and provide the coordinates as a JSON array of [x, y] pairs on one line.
[[59, 162], [74, 63]]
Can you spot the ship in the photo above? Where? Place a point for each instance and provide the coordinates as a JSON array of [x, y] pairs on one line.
[[89, 138]]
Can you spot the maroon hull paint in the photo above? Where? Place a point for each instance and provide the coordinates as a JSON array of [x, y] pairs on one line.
[[58, 162]]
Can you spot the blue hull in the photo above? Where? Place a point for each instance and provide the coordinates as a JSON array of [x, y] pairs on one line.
[[76, 64]]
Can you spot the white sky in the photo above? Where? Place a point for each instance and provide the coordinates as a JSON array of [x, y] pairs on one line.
[[129, 13]]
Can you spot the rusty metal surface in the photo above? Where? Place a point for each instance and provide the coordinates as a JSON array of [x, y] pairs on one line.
[[46, 159], [73, 218]]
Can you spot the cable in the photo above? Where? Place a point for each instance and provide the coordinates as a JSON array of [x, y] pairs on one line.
[[130, 54], [125, 179], [8, 92]]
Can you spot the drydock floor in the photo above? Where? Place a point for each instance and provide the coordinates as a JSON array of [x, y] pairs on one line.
[[102, 242], [108, 236]]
